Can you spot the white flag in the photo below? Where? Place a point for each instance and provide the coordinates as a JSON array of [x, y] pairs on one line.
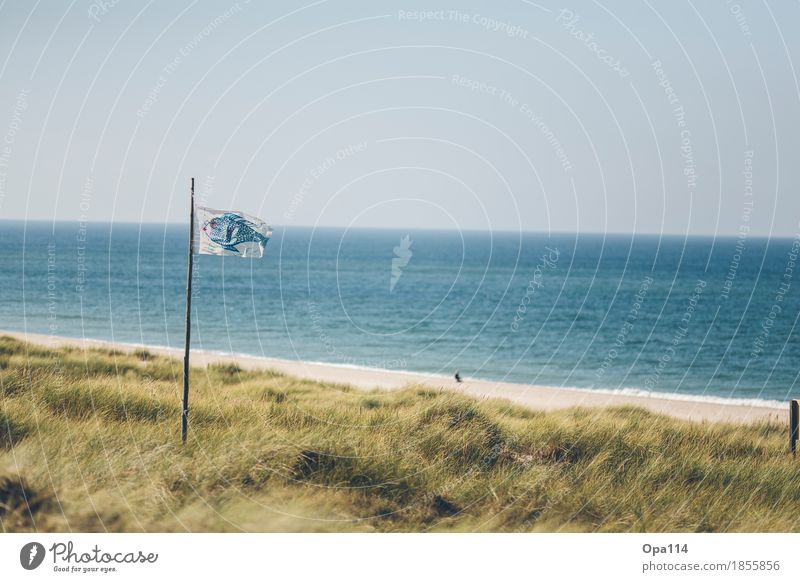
[[227, 232]]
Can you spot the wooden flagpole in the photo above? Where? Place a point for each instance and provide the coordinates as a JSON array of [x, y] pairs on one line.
[[188, 329]]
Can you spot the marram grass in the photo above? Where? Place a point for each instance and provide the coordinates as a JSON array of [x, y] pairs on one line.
[[89, 441]]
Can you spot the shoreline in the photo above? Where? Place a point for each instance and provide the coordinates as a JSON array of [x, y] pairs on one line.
[[537, 397]]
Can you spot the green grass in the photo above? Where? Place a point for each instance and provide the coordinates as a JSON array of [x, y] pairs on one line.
[[89, 441]]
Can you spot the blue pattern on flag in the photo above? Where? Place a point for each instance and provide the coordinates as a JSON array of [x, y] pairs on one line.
[[231, 230]]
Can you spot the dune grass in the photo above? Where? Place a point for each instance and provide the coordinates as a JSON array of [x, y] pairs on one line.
[[89, 441]]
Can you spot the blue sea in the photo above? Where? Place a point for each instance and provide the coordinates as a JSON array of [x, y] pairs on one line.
[[688, 317]]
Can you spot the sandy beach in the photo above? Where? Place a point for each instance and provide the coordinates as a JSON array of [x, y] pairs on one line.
[[533, 396]]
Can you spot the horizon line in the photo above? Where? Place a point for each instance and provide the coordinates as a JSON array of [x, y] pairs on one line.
[[478, 230]]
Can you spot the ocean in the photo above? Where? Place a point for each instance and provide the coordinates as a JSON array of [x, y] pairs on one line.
[[695, 317]]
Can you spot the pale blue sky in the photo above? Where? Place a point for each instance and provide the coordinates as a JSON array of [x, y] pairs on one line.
[[485, 116]]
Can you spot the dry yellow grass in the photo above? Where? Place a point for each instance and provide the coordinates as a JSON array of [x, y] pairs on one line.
[[89, 441]]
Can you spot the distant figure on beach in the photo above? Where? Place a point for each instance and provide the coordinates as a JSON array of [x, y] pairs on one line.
[[458, 376]]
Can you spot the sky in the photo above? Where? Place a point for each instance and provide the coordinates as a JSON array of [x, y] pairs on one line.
[[652, 117]]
